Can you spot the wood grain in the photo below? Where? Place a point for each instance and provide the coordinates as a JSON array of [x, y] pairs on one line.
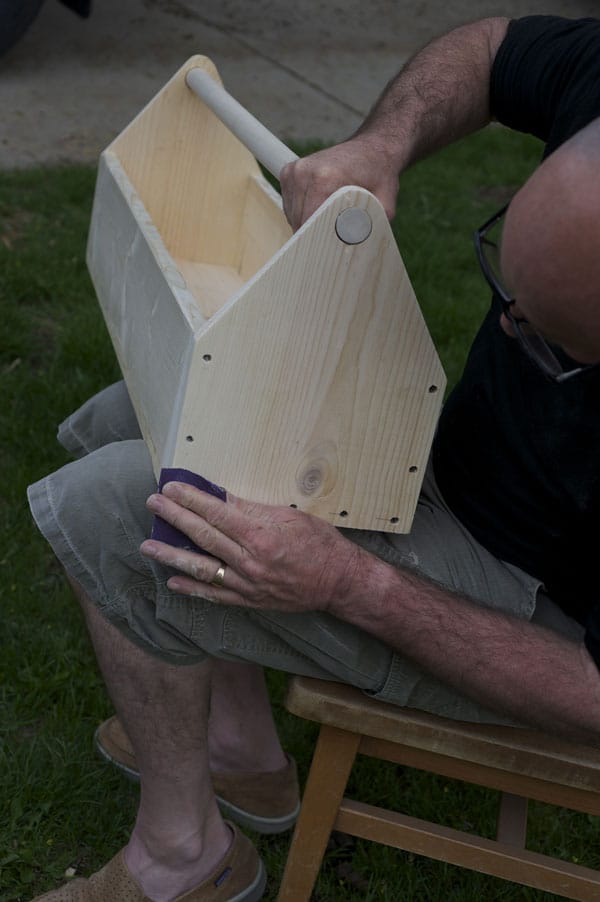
[[291, 369], [319, 385]]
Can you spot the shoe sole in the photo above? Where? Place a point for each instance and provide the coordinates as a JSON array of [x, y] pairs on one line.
[[266, 825], [255, 822], [256, 890]]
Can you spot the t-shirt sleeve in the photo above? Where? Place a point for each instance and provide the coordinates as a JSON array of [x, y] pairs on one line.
[[546, 77]]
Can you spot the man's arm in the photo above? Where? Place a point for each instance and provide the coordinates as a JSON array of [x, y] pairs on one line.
[[511, 666], [441, 95], [281, 559]]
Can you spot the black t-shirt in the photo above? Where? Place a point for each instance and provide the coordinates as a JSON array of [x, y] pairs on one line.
[[516, 456]]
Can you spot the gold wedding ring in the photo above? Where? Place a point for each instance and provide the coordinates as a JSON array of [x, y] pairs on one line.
[[219, 577]]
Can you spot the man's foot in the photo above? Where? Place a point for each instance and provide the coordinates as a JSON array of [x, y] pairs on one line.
[[239, 876], [264, 802]]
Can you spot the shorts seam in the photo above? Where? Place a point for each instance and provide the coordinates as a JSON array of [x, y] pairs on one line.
[[324, 658]]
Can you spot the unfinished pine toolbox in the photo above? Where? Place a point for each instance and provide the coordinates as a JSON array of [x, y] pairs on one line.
[[290, 368]]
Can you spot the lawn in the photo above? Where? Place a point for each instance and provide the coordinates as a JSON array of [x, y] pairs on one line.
[[62, 806]]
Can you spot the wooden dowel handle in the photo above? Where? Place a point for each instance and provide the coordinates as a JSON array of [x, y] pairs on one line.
[[268, 149]]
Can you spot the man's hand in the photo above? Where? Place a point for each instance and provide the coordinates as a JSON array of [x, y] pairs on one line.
[[361, 161], [442, 94], [275, 558]]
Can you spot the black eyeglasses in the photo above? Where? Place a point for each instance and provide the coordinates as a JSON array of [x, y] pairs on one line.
[[537, 348]]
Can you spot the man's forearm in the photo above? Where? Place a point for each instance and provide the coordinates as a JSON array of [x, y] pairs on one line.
[[277, 558], [441, 95], [509, 665]]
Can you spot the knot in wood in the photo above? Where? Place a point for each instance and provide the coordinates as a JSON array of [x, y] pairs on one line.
[[311, 481], [317, 474]]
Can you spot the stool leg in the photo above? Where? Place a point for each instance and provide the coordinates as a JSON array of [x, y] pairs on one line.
[[512, 820], [331, 765]]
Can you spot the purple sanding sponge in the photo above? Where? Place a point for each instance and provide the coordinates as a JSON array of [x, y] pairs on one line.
[[163, 531]]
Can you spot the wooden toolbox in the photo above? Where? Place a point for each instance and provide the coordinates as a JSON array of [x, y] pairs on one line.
[[289, 368]]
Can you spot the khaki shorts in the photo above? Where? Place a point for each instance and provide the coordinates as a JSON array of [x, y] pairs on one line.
[[93, 514]]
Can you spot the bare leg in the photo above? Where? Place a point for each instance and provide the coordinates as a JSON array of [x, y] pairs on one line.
[[179, 835], [241, 731]]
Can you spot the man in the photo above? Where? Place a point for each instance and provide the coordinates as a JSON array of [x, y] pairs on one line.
[[487, 611]]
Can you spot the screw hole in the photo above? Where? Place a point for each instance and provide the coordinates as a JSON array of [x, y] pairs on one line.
[[432, 389], [394, 519], [189, 438], [207, 357], [343, 513], [412, 469]]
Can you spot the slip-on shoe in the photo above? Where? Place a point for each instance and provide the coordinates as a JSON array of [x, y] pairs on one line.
[[240, 876], [263, 802]]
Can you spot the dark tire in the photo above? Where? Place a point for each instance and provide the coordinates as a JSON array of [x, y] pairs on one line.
[[15, 18]]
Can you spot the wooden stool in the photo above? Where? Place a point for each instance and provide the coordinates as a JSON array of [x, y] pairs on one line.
[[522, 764]]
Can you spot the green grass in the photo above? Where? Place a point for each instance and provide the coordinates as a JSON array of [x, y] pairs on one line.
[[61, 806]]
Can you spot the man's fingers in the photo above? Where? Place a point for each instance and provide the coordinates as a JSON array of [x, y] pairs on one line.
[[194, 524], [184, 585], [229, 517], [200, 571], [288, 195], [301, 191], [199, 566]]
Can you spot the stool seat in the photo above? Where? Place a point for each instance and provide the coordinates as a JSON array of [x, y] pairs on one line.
[[521, 763]]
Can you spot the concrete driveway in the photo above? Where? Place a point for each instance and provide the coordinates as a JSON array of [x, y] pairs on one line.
[[307, 69]]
